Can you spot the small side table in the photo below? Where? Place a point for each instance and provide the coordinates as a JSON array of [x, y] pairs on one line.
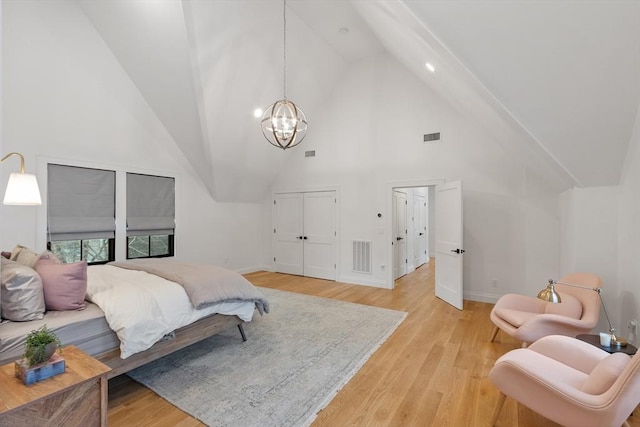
[[595, 340], [76, 397]]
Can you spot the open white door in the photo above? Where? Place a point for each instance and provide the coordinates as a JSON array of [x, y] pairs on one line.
[[449, 252]]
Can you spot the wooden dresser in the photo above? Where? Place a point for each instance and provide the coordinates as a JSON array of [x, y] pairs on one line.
[[77, 397]]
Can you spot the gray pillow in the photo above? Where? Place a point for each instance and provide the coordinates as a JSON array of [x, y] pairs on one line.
[[22, 295]]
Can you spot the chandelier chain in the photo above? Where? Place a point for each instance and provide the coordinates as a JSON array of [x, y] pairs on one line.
[[283, 124], [284, 50]]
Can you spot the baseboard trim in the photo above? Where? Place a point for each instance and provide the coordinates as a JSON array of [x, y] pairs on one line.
[[481, 297], [352, 280]]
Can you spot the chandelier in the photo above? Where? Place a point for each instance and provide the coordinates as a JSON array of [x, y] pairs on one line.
[[283, 123]]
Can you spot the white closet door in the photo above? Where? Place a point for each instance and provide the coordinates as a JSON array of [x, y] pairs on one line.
[[288, 233], [400, 234], [320, 234], [420, 229]]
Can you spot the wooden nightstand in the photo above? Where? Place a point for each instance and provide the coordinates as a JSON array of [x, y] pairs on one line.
[[77, 397]]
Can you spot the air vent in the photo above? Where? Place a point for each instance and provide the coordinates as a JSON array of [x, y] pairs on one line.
[[310, 153], [361, 256], [432, 137]]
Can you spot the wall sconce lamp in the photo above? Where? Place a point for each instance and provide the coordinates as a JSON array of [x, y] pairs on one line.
[[549, 294], [22, 188]]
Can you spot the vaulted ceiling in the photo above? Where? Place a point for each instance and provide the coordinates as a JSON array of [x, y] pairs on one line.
[[565, 75]]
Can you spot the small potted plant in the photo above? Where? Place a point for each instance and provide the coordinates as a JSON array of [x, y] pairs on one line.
[[40, 345], [39, 360]]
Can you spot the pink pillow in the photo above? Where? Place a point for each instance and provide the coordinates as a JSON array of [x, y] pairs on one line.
[[65, 285], [605, 373], [569, 307]]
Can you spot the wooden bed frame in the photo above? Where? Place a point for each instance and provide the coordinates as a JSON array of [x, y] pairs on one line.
[[185, 336]]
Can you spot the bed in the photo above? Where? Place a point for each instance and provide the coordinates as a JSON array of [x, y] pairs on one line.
[[134, 315]]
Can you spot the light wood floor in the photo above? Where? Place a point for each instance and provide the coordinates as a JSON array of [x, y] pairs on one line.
[[431, 372]]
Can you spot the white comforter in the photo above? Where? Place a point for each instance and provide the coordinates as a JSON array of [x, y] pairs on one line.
[[142, 308]]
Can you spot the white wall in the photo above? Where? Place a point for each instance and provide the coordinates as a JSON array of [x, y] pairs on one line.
[[601, 234], [628, 303], [370, 136], [591, 240], [65, 97]]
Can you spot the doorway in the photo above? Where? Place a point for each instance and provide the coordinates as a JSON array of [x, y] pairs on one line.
[[389, 231], [449, 240], [411, 230]]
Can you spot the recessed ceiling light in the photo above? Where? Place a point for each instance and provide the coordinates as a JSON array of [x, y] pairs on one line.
[[430, 67], [257, 113], [343, 30]]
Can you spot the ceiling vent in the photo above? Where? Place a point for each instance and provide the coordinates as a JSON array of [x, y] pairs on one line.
[[432, 137], [310, 153]]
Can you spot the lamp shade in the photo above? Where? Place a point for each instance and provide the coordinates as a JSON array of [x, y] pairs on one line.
[[549, 294], [22, 189]]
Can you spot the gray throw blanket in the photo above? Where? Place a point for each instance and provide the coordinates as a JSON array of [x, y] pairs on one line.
[[205, 284]]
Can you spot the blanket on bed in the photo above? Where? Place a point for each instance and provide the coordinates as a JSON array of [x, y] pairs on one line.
[[205, 284], [141, 308]]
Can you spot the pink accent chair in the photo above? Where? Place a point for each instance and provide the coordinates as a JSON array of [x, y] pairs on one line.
[[570, 382], [529, 318]]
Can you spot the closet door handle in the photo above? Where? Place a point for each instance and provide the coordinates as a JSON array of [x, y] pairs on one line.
[[305, 237], [299, 237], [399, 238]]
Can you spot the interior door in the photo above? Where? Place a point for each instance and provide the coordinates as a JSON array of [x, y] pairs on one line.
[[288, 233], [400, 234], [420, 229], [449, 249], [319, 234]]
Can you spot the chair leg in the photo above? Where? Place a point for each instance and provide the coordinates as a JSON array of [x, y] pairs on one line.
[[494, 334], [498, 409]]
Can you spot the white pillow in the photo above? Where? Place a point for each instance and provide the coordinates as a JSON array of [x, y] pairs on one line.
[[25, 256]]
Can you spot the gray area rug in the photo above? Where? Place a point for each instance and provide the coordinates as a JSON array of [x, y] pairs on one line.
[[294, 362]]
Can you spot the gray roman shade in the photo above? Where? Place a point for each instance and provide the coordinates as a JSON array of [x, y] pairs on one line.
[[81, 203], [150, 205]]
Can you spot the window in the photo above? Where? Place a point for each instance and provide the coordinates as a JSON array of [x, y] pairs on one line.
[[94, 251], [81, 213], [150, 216]]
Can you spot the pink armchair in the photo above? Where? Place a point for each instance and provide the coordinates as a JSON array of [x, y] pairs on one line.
[[569, 382], [528, 318]]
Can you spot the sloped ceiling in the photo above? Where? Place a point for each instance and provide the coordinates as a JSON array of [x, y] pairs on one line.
[[564, 75]]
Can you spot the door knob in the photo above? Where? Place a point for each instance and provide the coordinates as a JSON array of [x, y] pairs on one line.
[[399, 238], [420, 234], [299, 237], [305, 237], [458, 251]]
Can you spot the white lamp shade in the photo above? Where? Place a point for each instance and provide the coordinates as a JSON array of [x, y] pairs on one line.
[[22, 189]]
